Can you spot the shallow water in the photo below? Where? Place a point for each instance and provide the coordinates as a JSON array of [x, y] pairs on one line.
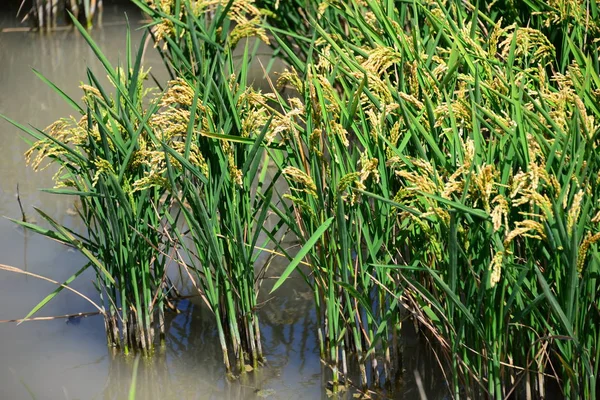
[[68, 358]]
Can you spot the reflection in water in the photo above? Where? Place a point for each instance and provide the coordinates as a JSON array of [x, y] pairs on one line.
[[190, 366]]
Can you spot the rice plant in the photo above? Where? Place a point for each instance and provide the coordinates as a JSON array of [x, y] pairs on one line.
[[221, 191], [321, 166], [106, 159]]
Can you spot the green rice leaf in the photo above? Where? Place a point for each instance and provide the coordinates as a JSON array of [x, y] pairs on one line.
[[303, 252]]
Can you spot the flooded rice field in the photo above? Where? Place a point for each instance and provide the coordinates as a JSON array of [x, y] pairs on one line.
[[67, 358]]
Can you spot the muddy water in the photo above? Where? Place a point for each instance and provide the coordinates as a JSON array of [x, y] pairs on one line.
[[68, 359]]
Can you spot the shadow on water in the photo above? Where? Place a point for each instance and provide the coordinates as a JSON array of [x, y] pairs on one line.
[[68, 358]]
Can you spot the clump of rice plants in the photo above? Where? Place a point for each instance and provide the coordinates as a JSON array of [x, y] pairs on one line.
[[332, 156], [440, 160], [221, 190], [44, 14], [143, 167], [107, 158], [484, 155], [322, 164]]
